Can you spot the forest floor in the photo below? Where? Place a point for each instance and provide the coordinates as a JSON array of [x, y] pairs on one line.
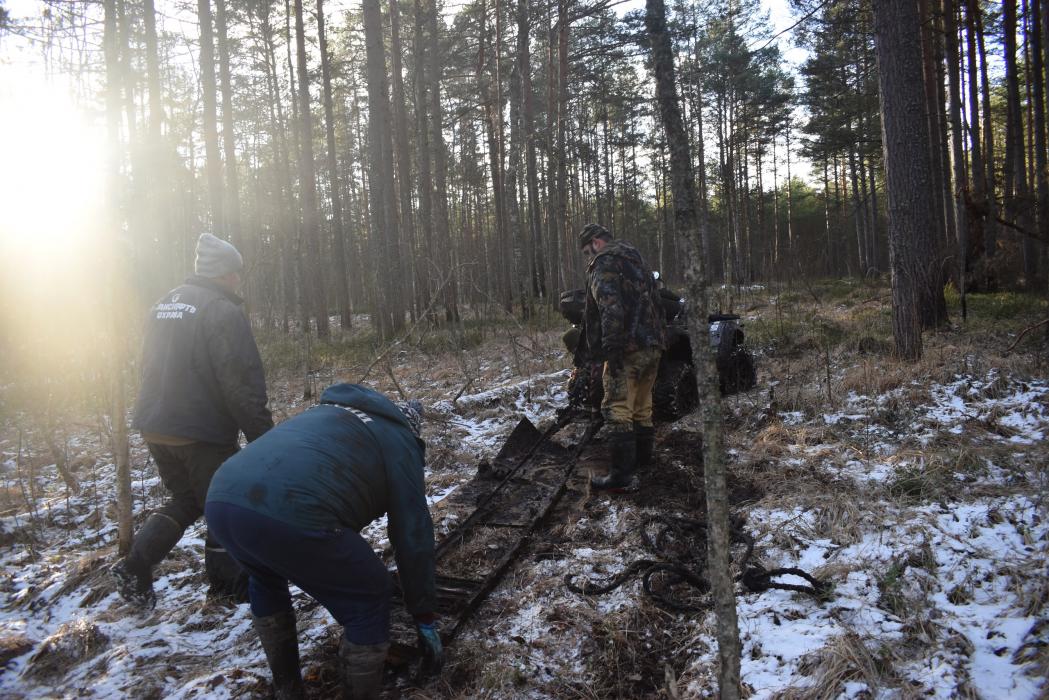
[[916, 491]]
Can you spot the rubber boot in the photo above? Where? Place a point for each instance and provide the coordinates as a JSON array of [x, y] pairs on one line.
[[621, 478], [280, 641], [360, 668], [646, 440], [226, 577], [134, 573]]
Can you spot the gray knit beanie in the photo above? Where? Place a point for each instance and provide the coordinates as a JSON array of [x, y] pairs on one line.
[[216, 257]]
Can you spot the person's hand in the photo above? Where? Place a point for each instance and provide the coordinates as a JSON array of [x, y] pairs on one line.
[[432, 649], [614, 362]]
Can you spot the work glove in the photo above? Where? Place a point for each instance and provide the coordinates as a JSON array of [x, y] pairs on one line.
[[432, 649]]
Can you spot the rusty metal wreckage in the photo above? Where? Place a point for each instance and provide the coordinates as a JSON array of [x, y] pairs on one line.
[[515, 494]]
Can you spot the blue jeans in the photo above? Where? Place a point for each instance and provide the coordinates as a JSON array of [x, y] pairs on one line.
[[336, 567]]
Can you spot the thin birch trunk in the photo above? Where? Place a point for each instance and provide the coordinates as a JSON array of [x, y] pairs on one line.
[[688, 224]]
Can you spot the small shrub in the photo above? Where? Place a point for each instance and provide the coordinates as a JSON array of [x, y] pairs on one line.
[[961, 594], [1005, 305], [916, 482], [890, 587], [951, 295], [840, 290], [71, 644]]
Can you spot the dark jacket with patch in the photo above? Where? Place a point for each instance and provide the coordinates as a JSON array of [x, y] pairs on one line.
[[342, 464], [621, 314], [202, 377]]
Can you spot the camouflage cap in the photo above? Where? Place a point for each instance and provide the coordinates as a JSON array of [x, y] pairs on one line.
[[592, 231]]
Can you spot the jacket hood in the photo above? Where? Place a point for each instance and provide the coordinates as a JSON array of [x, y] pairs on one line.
[[198, 281], [368, 400], [622, 249]]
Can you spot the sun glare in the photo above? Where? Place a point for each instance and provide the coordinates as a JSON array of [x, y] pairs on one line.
[[52, 172], [52, 206]]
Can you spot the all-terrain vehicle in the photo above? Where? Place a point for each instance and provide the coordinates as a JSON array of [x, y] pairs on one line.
[[675, 392]]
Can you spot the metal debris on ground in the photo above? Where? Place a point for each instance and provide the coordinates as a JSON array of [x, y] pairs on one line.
[[680, 544]]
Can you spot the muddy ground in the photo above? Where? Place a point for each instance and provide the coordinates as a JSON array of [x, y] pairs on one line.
[[915, 491]]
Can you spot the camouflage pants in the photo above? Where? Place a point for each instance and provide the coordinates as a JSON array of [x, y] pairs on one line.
[[628, 391]]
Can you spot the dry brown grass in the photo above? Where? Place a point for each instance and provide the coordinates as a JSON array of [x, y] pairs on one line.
[[870, 378], [841, 520], [71, 644], [844, 659], [771, 442]]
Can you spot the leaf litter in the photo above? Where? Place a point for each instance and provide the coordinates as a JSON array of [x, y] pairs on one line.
[[924, 513]]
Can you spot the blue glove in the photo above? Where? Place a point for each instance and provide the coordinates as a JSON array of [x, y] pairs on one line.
[[432, 649]]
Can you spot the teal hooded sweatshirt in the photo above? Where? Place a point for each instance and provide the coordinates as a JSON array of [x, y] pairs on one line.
[[342, 464]]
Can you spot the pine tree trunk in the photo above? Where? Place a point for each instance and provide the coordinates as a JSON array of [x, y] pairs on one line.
[[979, 174], [991, 237], [535, 220], [790, 212], [118, 405], [338, 231], [688, 224], [954, 68], [232, 228], [126, 72], [933, 108], [213, 161], [942, 137], [859, 218], [491, 105], [560, 231], [378, 113], [156, 111], [829, 252], [435, 68], [159, 185], [1043, 15], [557, 277], [314, 272], [289, 220], [1016, 190], [704, 223], [401, 146], [1038, 60], [775, 211], [872, 239], [908, 171], [426, 280], [520, 239], [393, 287]]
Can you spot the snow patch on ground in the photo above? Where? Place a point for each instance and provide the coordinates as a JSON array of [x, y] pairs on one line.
[[971, 546], [962, 574]]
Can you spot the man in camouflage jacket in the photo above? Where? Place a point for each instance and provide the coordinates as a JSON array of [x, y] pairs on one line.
[[624, 327]]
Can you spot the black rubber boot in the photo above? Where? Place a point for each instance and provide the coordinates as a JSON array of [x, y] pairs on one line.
[[280, 641], [621, 478], [646, 441], [134, 573], [226, 577], [360, 669]]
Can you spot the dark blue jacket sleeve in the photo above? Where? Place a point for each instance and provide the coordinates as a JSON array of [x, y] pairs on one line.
[[234, 358], [411, 530]]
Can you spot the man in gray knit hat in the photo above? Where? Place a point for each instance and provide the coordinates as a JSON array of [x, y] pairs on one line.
[[202, 385]]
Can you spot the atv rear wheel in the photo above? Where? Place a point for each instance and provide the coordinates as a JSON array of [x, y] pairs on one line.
[[737, 373], [674, 393]]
